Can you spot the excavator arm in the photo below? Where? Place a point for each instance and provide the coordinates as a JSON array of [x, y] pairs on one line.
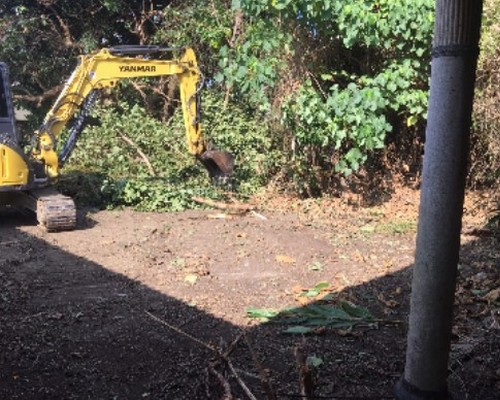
[[104, 69]]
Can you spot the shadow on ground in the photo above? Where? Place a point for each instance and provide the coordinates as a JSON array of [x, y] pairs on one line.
[[71, 329]]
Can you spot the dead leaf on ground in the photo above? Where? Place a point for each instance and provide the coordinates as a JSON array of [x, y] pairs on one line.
[[493, 295], [298, 289], [321, 291], [191, 279], [219, 216], [388, 302], [282, 258], [304, 300]]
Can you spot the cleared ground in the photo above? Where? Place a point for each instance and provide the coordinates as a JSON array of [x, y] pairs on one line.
[[142, 305]]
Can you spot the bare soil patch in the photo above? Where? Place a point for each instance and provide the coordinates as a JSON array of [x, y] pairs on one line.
[[153, 306]]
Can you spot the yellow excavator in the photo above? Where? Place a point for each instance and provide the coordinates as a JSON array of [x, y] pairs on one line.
[[27, 178]]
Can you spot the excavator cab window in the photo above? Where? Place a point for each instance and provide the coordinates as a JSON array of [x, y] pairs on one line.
[[4, 109], [7, 126]]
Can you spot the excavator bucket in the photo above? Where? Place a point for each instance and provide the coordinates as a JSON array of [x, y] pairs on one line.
[[219, 164]]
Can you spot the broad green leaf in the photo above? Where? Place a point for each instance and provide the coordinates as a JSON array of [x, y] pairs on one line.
[[322, 285], [299, 330], [265, 313], [314, 361], [311, 293]]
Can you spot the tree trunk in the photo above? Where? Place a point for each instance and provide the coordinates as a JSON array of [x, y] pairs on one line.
[[454, 58]]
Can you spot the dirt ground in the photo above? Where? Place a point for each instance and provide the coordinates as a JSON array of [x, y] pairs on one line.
[[154, 306]]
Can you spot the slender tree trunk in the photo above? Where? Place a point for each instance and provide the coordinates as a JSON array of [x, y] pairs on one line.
[[454, 58]]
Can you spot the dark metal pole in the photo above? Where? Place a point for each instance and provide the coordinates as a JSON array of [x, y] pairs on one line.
[[454, 59]]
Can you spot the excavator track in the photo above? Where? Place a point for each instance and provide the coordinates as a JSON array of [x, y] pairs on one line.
[[55, 212]]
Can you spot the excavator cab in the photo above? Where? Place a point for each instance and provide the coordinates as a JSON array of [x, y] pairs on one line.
[[7, 125], [14, 170]]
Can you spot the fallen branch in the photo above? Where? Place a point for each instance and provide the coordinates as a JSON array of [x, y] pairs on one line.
[[9, 242], [234, 208], [263, 373], [257, 215], [181, 332], [222, 355], [38, 100], [240, 381], [233, 345], [223, 382], [137, 86], [140, 152], [220, 216]]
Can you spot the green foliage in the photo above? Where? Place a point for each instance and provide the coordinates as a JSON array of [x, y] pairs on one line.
[[145, 164], [353, 119], [149, 194], [205, 26], [195, 24], [251, 68], [42, 39], [347, 118], [306, 89], [315, 317], [391, 24], [376, 77]]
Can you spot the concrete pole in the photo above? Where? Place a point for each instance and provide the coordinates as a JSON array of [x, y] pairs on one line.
[[454, 59]]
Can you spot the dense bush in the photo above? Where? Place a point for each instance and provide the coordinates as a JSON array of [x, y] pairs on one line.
[[485, 150], [343, 73], [143, 162]]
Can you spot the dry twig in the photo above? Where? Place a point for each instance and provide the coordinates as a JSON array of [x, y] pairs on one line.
[[38, 100], [305, 374], [263, 373], [224, 356], [223, 382]]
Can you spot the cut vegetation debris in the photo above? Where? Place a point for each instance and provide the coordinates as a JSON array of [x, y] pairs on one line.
[[314, 318], [318, 313]]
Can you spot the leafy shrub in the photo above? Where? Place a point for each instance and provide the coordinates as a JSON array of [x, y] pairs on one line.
[[360, 71], [353, 120], [250, 70], [144, 163], [205, 26]]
